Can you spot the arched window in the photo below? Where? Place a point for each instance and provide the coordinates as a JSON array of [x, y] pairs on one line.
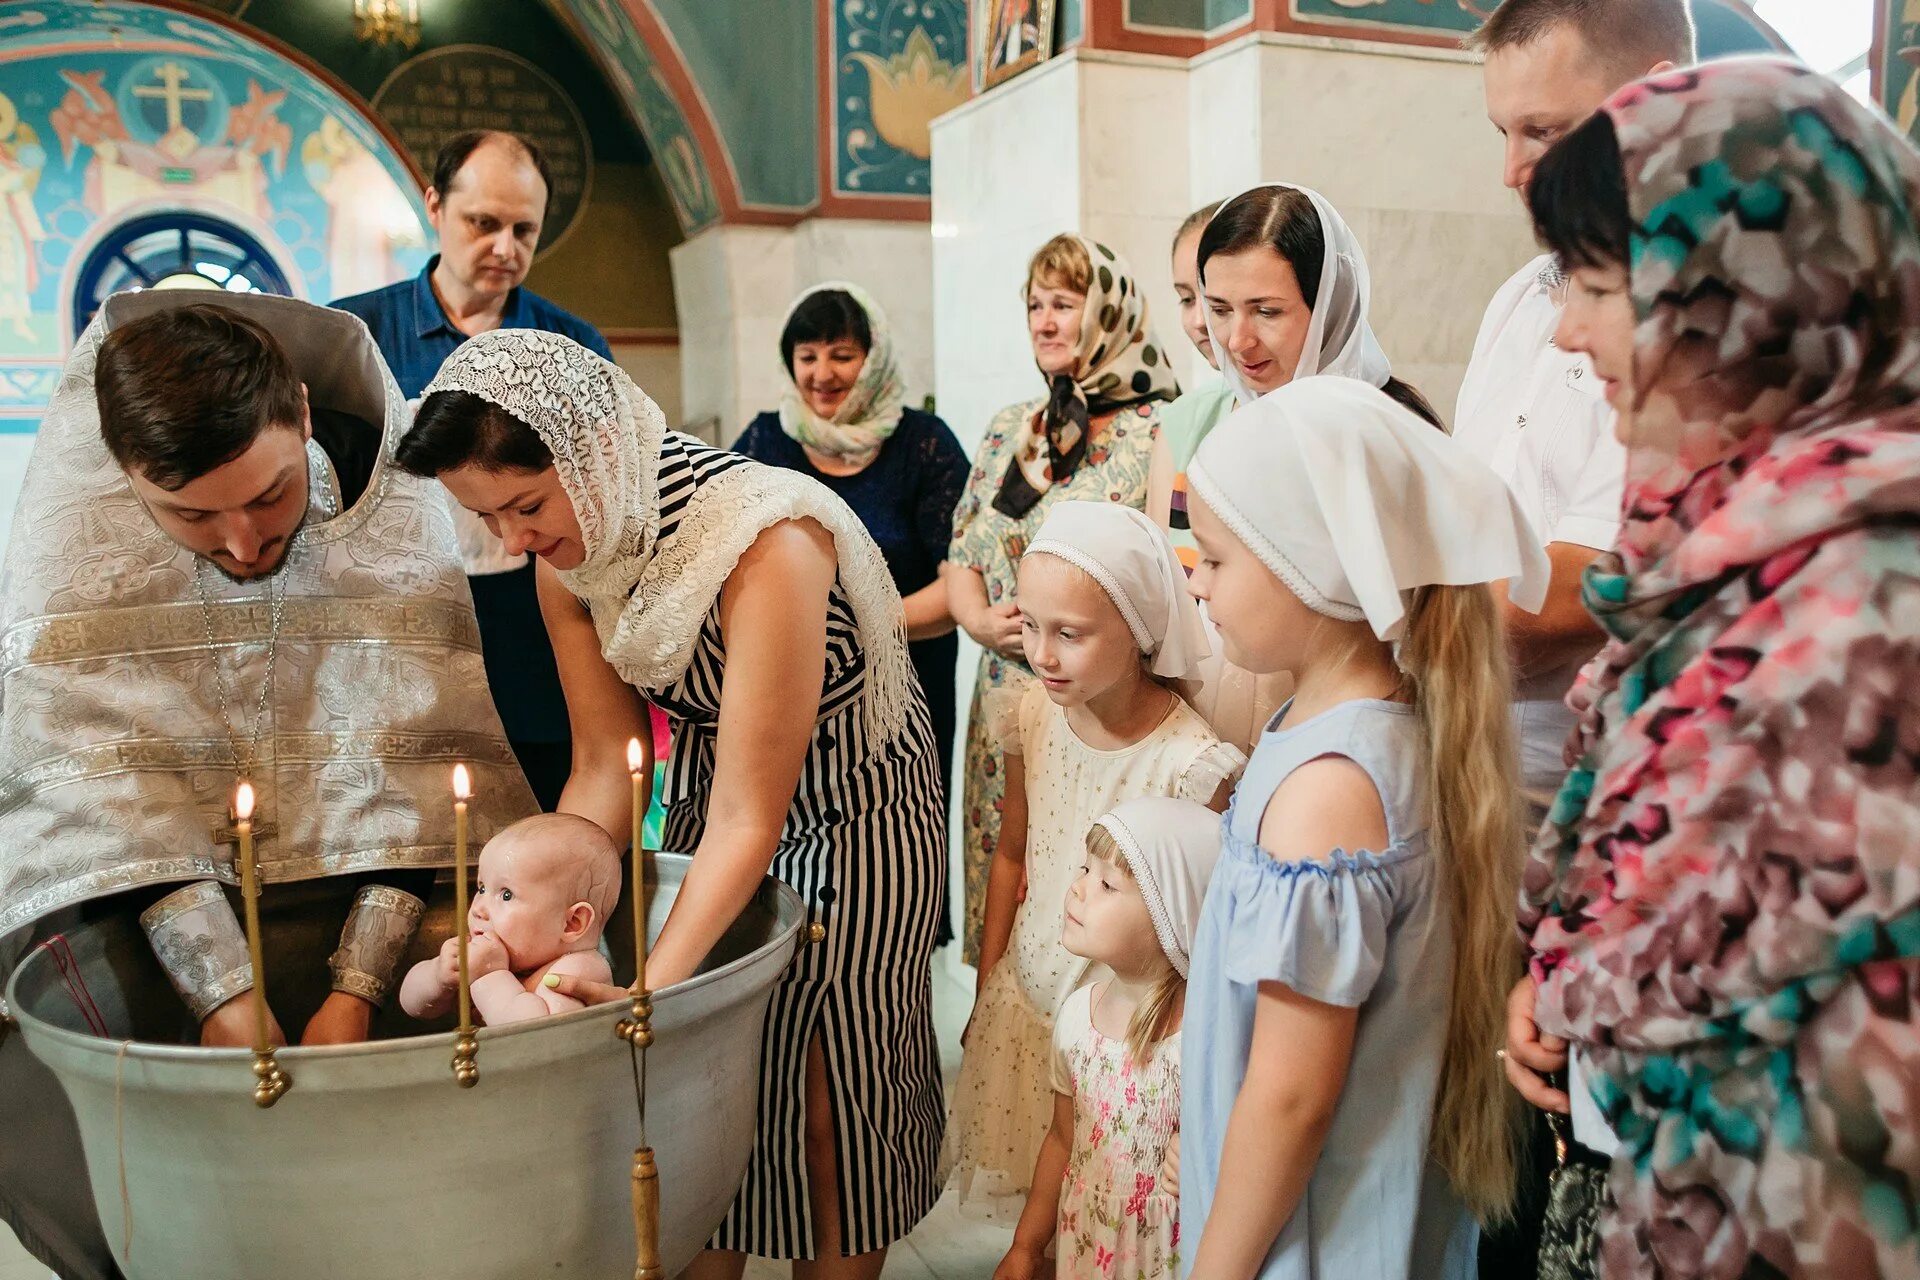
[[178, 249]]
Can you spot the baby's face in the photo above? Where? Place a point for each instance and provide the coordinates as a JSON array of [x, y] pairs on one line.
[[525, 898]]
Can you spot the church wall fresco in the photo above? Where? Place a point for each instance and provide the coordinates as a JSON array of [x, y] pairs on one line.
[[897, 65], [112, 111]]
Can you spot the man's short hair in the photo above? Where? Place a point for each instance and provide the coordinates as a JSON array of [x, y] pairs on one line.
[[191, 388], [1632, 35], [457, 150]]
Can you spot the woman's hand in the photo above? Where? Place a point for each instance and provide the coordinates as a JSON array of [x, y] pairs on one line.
[[1532, 1055], [1170, 1169], [992, 626], [585, 990]]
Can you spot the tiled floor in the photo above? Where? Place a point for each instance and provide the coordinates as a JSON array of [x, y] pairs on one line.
[[944, 1247]]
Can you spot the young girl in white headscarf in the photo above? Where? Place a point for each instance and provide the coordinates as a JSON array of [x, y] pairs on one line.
[[1109, 630], [1342, 1112], [1107, 1179]]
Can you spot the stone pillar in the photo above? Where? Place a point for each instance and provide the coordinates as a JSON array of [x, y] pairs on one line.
[[732, 285]]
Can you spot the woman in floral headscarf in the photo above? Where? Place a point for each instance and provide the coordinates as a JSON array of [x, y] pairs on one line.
[[1723, 912], [1090, 439]]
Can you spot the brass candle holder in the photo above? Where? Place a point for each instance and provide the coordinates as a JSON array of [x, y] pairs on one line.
[[466, 1047], [270, 1082], [637, 1030]]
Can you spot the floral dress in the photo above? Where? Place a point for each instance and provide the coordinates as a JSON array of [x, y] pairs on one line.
[[989, 542], [1116, 1221]]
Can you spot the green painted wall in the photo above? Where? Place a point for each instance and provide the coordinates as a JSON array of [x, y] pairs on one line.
[[755, 64]]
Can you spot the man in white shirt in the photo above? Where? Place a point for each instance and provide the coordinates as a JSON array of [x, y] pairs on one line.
[[1535, 413]]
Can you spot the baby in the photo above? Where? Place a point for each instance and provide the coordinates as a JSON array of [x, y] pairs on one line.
[[544, 890]]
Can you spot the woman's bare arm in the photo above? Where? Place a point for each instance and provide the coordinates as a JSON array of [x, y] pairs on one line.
[[605, 712]]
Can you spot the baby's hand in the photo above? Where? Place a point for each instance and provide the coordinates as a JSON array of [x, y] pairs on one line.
[[485, 954], [446, 965]]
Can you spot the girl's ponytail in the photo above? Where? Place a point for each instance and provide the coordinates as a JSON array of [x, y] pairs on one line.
[[1455, 652]]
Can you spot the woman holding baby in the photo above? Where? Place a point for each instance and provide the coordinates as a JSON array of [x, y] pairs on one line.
[[715, 588]]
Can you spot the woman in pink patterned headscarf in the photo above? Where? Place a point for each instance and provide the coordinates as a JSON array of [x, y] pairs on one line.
[[1723, 912]]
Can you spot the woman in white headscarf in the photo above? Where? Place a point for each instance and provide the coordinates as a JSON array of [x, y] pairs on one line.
[[1283, 293], [753, 608]]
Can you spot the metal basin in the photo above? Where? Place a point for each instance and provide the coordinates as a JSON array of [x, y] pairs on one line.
[[375, 1164]]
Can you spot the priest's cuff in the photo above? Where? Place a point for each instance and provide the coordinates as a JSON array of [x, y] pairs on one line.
[[379, 931], [198, 940]]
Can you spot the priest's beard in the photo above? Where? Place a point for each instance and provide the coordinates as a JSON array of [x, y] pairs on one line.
[[281, 550]]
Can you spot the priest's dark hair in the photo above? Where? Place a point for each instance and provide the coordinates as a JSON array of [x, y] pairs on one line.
[[1284, 220], [456, 429], [829, 315], [1630, 37], [1578, 198], [188, 389], [457, 150]]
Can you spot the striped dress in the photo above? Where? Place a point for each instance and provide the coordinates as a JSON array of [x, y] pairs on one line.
[[864, 847]]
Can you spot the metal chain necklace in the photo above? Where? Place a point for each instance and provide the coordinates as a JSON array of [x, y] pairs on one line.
[[276, 606]]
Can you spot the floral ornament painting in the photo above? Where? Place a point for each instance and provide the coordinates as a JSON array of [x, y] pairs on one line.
[[1014, 35]]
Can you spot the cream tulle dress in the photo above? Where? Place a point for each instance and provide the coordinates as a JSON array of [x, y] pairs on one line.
[[1003, 1101]]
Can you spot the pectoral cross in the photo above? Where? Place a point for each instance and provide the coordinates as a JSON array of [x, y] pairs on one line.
[[227, 833], [172, 77]]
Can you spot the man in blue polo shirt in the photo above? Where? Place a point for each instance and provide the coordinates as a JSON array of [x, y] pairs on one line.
[[487, 203]]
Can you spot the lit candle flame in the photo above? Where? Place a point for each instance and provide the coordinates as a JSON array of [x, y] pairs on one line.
[[462, 783], [633, 755], [243, 802]]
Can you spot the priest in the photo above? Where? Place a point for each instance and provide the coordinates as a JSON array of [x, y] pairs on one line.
[[216, 573]]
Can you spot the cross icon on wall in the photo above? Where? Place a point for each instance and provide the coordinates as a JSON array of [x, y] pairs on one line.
[[173, 77]]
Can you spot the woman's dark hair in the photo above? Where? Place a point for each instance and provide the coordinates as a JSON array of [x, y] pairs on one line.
[[457, 428], [831, 315], [1578, 197], [1284, 220]]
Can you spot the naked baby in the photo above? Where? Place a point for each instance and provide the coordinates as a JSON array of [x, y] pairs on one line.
[[544, 889]]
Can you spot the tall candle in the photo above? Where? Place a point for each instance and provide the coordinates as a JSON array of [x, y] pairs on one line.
[[250, 897], [635, 761], [462, 790]]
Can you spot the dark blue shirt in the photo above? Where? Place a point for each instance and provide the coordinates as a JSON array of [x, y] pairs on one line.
[[413, 332], [906, 499]]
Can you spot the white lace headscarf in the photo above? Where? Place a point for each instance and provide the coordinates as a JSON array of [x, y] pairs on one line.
[[1339, 338], [650, 598], [1171, 847]]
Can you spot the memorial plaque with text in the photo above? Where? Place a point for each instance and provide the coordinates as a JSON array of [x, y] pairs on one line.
[[449, 90]]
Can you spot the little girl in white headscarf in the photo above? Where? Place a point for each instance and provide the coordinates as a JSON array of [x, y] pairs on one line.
[[1106, 1183], [1342, 1111], [1109, 631]]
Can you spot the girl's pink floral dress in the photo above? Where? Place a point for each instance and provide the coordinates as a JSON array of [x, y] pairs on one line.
[[1116, 1222]]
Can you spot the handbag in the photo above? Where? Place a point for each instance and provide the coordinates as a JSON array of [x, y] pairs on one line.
[[1570, 1229]]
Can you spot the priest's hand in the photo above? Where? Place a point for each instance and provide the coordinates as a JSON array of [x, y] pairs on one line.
[[342, 1019], [231, 1025]]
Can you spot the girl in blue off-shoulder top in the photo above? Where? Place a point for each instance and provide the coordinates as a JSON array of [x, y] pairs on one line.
[[1343, 1113]]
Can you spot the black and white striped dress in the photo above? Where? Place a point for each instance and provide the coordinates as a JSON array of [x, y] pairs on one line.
[[864, 847]]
